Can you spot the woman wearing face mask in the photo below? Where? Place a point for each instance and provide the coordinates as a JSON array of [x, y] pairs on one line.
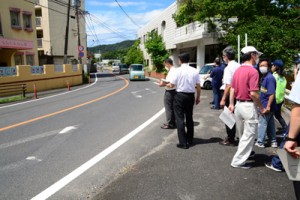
[[277, 69], [266, 122]]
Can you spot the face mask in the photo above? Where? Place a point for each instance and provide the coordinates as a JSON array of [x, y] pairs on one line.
[[263, 70]]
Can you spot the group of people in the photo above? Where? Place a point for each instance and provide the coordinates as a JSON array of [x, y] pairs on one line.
[[254, 91]]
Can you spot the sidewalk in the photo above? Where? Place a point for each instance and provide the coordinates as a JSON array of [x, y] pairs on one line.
[[201, 172]]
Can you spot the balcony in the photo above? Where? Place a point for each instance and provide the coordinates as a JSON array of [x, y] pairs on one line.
[[190, 32], [38, 21], [40, 43]]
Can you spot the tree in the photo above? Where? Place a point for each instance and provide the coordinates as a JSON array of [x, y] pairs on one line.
[[272, 26], [156, 48], [134, 55]]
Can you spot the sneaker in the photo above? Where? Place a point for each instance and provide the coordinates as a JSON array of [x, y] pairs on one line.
[[252, 154], [259, 145], [270, 166], [244, 166], [274, 144]]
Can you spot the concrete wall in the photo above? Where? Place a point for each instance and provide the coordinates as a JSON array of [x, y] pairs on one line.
[[49, 80]]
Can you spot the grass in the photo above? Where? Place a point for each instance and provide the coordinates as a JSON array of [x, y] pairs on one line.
[[11, 99]]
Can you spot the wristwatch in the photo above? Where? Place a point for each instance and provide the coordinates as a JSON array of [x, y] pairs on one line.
[[290, 139]]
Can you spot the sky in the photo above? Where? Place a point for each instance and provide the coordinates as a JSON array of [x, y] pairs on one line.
[[107, 23]]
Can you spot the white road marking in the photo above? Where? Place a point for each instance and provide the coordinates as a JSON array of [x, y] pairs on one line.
[[33, 158], [36, 137], [48, 97], [67, 129], [93, 161]]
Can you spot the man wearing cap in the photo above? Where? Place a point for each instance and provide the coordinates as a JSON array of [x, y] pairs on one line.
[[244, 88], [277, 69], [267, 98]]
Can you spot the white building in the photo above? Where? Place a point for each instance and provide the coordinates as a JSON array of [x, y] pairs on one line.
[[193, 38]]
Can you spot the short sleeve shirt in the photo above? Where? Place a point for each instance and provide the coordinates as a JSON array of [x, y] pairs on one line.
[[245, 80], [229, 71], [295, 92], [170, 77], [268, 88], [185, 78]]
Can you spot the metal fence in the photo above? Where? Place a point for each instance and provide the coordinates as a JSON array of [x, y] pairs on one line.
[[74, 68], [37, 69], [8, 71], [58, 68]]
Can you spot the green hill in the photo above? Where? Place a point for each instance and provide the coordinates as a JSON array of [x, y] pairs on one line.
[[122, 46]]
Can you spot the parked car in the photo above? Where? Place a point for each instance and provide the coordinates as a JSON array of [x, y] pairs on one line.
[[204, 75], [123, 69], [136, 72], [116, 68]]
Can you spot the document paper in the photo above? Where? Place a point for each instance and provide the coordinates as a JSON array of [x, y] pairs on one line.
[[227, 117], [290, 164]]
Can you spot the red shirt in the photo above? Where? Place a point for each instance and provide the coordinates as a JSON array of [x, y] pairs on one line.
[[245, 80]]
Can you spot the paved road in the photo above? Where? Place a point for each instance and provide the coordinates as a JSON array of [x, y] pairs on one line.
[[67, 143]]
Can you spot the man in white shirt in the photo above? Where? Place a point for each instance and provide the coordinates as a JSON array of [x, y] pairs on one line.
[[232, 65], [169, 95], [185, 79], [293, 138]]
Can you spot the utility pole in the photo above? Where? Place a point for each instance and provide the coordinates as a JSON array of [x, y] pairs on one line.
[[67, 34], [78, 33]]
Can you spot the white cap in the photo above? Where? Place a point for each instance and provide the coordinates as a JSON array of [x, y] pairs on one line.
[[249, 49]]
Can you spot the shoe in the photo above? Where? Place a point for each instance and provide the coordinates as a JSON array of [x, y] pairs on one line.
[[214, 108], [227, 143], [259, 145], [270, 166], [183, 146], [244, 166], [252, 154], [191, 144], [166, 126], [211, 102], [274, 144]]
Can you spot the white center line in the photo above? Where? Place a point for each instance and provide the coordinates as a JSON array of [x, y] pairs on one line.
[[93, 161]]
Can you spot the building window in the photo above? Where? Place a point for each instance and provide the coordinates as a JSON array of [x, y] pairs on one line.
[[15, 18], [30, 60], [27, 21], [18, 59]]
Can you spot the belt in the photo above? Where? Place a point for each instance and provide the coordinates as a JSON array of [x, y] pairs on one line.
[[239, 100]]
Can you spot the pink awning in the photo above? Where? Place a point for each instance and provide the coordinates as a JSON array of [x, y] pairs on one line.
[[15, 44]]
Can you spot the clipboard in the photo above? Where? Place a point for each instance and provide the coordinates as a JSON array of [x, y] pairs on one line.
[[290, 164]]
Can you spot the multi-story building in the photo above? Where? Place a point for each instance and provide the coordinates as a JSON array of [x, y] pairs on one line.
[[51, 22], [193, 38], [18, 45]]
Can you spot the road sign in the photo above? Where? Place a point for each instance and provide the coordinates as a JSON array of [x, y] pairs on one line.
[[81, 54], [80, 48]]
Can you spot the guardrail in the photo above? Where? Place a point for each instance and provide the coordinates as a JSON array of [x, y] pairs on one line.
[[13, 89]]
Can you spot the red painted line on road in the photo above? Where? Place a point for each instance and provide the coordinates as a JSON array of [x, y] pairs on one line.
[[67, 109]]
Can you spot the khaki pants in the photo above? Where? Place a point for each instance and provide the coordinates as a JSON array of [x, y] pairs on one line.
[[246, 126]]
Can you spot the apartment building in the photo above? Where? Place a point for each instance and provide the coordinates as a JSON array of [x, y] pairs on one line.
[[18, 45], [193, 38], [51, 22]]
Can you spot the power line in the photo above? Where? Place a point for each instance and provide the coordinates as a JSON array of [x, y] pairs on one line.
[[127, 15]]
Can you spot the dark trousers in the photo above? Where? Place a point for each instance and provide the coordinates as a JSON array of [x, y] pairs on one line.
[[168, 102], [278, 116], [183, 108], [297, 189], [230, 132], [217, 96]]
